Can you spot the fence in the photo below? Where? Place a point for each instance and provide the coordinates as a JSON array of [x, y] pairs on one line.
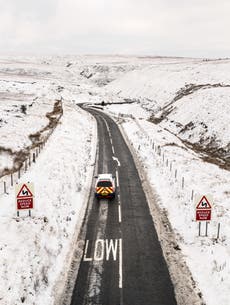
[[8, 181]]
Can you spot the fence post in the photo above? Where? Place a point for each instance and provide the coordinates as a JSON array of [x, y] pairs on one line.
[[182, 182], [34, 157], [11, 179], [218, 232], [4, 187], [175, 173], [25, 165], [192, 195], [19, 174]]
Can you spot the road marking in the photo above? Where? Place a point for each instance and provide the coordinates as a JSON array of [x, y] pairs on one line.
[[104, 249], [119, 213], [86, 259], [99, 250], [116, 159], [111, 247], [107, 126], [120, 264], [113, 149], [117, 177]]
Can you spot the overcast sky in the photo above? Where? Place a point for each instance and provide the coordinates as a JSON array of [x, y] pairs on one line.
[[198, 28]]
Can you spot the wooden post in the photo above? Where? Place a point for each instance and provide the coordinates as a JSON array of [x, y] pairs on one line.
[[4, 187], [167, 162], [199, 227], [11, 179], [25, 165], [19, 174], [218, 232], [175, 173], [170, 166], [192, 195], [29, 160], [182, 182], [34, 157]]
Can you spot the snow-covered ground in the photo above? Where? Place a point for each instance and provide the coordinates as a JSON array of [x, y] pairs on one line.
[[161, 126], [35, 252], [175, 114]]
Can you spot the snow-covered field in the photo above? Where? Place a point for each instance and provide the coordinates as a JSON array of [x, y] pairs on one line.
[[35, 252], [176, 133], [175, 113]]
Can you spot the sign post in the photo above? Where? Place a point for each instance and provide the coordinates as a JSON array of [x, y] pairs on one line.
[[24, 197]]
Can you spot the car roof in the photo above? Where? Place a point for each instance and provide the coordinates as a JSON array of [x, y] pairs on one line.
[[105, 177]]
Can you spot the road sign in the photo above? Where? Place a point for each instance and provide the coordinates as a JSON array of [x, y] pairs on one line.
[[24, 196], [203, 215], [203, 204], [203, 210]]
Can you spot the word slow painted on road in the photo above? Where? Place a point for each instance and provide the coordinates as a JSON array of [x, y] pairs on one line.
[[102, 249]]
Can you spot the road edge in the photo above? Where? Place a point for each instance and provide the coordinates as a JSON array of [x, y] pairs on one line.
[[63, 289], [186, 291]]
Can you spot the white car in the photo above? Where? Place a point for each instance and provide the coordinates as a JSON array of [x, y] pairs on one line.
[[105, 186]]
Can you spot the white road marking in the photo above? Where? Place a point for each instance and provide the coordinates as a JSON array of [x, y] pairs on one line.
[[96, 267], [113, 150], [120, 264], [86, 259], [117, 177], [103, 249], [116, 159], [107, 126], [99, 250], [119, 213], [111, 247]]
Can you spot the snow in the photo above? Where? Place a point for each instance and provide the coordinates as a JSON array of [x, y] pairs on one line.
[[36, 250], [207, 109], [189, 100]]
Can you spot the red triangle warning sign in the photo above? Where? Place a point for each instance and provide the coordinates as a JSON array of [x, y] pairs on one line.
[[203, 204], [24, 192]]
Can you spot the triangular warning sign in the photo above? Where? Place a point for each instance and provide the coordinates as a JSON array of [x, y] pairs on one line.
[[24, 192], [203, 204]]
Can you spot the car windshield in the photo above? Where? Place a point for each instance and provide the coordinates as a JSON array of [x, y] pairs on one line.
[[104, 183]]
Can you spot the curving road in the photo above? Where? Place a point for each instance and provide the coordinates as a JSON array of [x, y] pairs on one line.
[[122, 261]]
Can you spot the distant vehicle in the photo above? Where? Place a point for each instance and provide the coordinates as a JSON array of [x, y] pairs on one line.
[[105, 186]]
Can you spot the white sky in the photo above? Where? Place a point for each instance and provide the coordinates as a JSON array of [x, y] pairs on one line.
[[198, 28]]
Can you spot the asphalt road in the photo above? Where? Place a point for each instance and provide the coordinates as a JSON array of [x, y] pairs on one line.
[[122, 261]]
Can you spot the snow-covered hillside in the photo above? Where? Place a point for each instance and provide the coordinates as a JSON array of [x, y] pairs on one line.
[[175, 115], [179, 118], [190, 98]]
